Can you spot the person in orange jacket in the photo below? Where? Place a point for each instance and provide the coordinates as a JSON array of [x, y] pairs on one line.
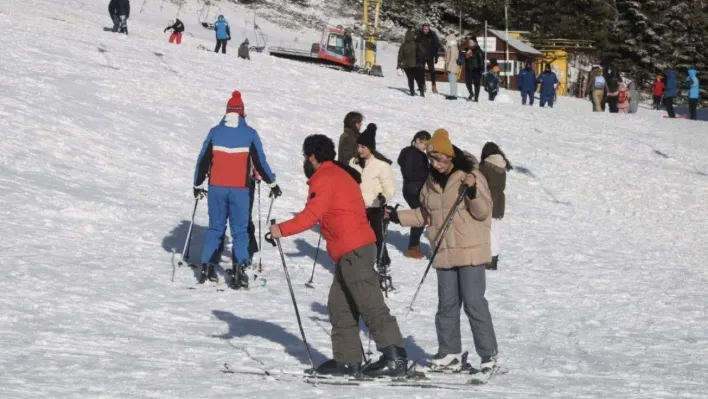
[[335, 201]]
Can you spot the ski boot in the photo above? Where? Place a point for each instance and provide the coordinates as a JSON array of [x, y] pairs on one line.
[[336, 368], [488, 364], [208, 273], [392, 363], [452, 363]]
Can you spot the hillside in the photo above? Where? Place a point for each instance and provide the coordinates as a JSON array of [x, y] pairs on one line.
[[600, 292]]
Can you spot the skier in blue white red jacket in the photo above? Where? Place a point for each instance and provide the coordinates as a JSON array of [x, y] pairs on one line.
[[226, 156]]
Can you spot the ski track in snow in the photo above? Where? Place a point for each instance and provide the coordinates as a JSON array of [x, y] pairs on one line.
[[601, 287]]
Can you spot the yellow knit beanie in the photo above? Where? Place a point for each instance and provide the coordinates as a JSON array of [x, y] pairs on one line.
[[440, 142]]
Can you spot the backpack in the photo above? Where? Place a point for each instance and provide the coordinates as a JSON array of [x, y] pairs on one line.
[[600, 82], [622, 97], [461, 58]]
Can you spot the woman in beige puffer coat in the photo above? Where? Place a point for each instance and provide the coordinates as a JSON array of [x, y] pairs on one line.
[[376, 185], [464, 253], [452, 52]]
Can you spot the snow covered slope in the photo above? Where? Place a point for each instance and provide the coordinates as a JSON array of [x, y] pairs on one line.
[[600, 292]]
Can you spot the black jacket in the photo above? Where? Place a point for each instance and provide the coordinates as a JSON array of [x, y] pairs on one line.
[[430, 43], [414, 168], [119, 7], [177, 27], [475, 63]]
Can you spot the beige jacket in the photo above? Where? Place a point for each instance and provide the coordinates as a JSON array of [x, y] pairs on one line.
[[467, 241], [376, 177], [451, 53]]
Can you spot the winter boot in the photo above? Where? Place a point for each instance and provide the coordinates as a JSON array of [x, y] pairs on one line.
[[493, 265], [208, 273], [392, 363], [337, 368], [435, 89], [422, 93], [441, 361]]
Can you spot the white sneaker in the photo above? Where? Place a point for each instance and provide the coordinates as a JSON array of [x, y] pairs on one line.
[[446, 362]]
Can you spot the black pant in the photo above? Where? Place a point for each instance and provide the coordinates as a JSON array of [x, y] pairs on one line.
[[493, 95], [431, 68], [692, 105], [657, 102], [413, 201], [375, 216], [415, 75], [612, 104], [669, 105], [473, 78], [221, 44]]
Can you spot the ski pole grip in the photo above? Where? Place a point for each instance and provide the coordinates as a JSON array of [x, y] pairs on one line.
[[269, 239]]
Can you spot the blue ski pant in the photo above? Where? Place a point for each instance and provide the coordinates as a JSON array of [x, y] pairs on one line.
[[232, 205], [529, 95], [547, 99]]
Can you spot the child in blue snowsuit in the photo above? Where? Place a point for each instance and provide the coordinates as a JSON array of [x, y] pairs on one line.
[[526, 81], [223, 34], [548, 81], [694, 90], [226, 156]]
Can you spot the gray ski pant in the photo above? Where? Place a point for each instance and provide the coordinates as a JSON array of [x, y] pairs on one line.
[[464, 286], [355, 292]]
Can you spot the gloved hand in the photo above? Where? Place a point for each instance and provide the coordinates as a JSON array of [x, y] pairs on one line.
[[381, 199], [392, 214], [471, 192], [199, 192], [275, 192], [229, 38]]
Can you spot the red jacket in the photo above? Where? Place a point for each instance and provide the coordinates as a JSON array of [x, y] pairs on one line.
[[336, 202], [658, 88]]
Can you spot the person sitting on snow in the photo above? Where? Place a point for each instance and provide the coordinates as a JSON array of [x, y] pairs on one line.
[[243, 50], [226, 157], [492, 79], [177, 29]]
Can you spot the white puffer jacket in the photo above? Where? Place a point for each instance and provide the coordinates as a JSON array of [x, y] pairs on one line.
[[376, 177]]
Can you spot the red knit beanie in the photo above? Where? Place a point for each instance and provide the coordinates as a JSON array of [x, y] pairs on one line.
[[235, 103]]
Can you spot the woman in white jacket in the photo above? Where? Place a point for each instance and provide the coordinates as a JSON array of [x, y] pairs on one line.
[[376, 182], [452, 68]]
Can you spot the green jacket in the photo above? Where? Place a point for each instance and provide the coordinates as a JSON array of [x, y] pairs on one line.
[[494, 170], [347, 146], [408, 55]]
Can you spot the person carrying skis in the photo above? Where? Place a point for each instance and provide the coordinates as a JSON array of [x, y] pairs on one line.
[[464, 253], [223, 34], [494, 167], [694, 91], [431, 46], [243, 50], [378, 188], [120, 12], [177, 29], [347, 140], [526, 81], [226, 157], [335, 202], [549, 82]]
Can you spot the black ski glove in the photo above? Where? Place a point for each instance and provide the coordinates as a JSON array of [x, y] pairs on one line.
[[471, 192], [276, 192], [199, 192], [393, 215]]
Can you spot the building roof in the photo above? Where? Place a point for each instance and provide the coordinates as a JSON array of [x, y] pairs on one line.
[[516, 43]]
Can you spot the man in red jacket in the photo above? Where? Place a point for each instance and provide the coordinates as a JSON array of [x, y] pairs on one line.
[[336, 203]]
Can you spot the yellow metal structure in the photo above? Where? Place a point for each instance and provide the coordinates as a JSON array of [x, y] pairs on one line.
[[370, 34]]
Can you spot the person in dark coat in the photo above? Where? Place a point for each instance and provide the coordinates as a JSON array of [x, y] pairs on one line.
[[526, 81], [414, 168], [494, 167], [549, 82], [243, 50], [474, 66], [119, 11], [348, 148], [410, 60], [670, 91], [177, 29], [492, 79], [431, 46]]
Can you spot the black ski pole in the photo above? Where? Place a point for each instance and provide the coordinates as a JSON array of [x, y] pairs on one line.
[[188, 240], [276, 242], [310, 283], [441, 235]]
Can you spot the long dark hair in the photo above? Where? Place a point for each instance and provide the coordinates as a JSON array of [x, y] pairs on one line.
[[491, 148], [421, 135]]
